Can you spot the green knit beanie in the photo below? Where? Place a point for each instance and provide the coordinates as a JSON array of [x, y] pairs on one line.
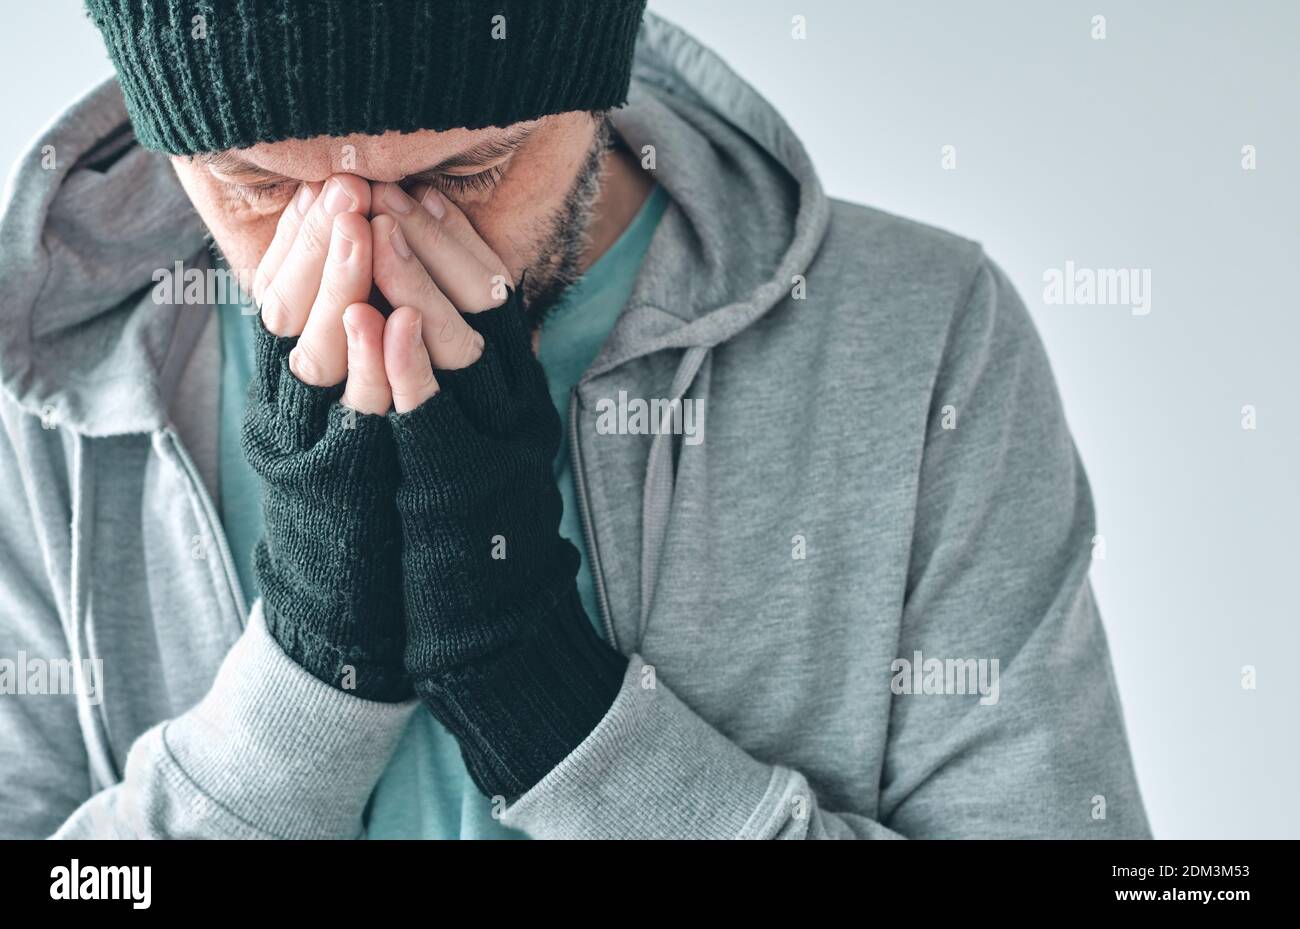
[[209, 75]]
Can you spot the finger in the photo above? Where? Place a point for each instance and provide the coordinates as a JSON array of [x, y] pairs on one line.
[[451, 342], [456, 269], [367, 388], [440, 207], [286, 230], [291, 292], [406, 362], [321, 355]]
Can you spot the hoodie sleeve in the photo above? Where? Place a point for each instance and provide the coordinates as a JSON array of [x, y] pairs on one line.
[[999, 570], [268, 752]]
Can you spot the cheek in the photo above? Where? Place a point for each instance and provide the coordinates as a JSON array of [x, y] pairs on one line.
[[242, 234], [243, 240], [517, 220], [505, 226]]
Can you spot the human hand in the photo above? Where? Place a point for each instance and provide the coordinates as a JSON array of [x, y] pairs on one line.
[[328, 563]]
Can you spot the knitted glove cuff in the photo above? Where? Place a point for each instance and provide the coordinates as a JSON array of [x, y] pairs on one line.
[[329, 564], [519, 712]]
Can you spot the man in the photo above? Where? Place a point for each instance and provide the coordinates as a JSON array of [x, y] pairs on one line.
[[442, 543]]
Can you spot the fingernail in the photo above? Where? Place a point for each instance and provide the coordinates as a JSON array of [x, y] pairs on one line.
[[396, 200], [304, 201], [399, 242], [270, 316], [340, 247], [434, 204], [337, 199], [350, 327], [413, 331]]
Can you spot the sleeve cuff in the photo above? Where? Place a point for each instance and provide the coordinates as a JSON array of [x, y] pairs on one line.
[[282, 751], [653, 769]]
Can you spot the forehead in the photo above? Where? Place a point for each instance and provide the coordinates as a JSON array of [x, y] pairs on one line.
[[387, 157]]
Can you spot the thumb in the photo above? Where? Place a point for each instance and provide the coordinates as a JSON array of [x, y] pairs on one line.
[[367, 388], [406, 360]]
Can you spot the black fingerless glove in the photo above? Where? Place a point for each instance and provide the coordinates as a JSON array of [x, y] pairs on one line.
[[497, 643], [329, 563]]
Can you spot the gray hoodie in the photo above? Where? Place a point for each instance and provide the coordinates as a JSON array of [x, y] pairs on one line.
[[858, 608]]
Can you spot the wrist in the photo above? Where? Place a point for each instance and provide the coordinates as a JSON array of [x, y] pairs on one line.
[[329, 562], [519, 712]]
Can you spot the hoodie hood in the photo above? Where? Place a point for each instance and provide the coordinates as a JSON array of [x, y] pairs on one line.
[[748, 211], [88, 216]]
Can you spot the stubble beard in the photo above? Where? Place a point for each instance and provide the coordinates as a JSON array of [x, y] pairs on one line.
[[566, 237]]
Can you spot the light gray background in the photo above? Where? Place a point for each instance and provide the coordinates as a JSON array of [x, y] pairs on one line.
[[1123, 152]]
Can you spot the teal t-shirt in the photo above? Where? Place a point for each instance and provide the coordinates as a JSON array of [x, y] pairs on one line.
[[425, 792], [239, 489]]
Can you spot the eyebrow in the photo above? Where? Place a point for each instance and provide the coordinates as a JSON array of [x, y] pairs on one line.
[[474, 156]]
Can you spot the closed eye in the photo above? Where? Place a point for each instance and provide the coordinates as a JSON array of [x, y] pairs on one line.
[[459, 185], [272, 193], [264, 194]]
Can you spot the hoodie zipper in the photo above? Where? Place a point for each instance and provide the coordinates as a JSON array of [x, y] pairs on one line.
[[214, 525], [593, 554]]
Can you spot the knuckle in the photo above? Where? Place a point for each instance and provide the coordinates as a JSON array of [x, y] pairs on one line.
[[261, 280], [305, 365], [471, 347], [423, 384], [446, 326], [330, 295], [313, 236], [274, 314], [430, 294], [433, 231]]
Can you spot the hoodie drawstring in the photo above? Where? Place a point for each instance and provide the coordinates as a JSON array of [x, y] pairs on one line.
[[102, 770]]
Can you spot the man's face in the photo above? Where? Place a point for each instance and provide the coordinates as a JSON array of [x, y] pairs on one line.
[[527, 188]]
